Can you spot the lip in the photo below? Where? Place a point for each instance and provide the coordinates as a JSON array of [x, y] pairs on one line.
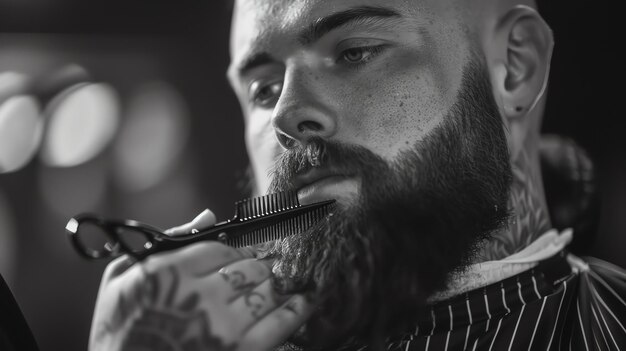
[[313, 176], [320, 184]]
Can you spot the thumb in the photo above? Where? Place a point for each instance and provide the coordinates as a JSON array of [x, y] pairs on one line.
[[205, 219]]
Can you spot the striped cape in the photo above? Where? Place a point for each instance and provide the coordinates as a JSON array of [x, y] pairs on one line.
[[564, 303]]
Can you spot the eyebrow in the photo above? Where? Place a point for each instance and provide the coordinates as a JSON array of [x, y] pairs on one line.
[[254, 61], [318, 29], [326, 24]]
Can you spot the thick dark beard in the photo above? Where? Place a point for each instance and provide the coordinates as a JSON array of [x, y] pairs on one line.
[[373, 265]]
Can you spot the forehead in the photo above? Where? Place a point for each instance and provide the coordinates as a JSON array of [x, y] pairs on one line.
[[257, 23]]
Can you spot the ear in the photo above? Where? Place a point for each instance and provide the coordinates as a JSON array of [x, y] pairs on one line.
[[521, 66]]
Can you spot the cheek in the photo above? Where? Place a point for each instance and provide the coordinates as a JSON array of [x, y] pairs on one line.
[[263, 149], [397, 111]]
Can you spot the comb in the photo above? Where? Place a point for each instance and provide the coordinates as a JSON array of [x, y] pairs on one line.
[[256, 220]]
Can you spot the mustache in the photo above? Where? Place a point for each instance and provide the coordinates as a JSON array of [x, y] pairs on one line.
[[337, 157]]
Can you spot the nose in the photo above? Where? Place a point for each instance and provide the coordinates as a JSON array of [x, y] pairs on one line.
[[303, 110]]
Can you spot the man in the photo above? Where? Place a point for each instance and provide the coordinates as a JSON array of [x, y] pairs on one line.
[[421, 118]]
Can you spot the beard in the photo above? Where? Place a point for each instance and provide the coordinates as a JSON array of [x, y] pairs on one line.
[[371, 266]]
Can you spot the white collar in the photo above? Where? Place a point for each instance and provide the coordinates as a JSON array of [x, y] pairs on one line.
[[484, 273]]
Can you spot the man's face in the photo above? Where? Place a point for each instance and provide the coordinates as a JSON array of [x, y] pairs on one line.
[[379, 74]]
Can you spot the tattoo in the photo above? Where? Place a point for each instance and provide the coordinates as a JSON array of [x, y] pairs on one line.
[[164, 330], [238, 282], [255, 301], [158, 319], [530, 216]]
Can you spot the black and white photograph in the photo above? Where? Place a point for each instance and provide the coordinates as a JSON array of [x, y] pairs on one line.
[[312, 175]]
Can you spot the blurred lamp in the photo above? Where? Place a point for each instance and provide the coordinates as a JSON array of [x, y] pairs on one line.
[[82, 120], [20, 131]]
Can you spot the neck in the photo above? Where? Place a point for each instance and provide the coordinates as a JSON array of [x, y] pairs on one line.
[[529, 217]]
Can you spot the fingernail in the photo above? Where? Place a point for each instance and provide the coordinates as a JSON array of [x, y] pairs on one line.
[[205, 219], [174, 230], [202, 214]]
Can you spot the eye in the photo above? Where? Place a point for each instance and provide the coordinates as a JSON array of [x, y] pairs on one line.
[[265, 94], [360, 55], [354, 55]]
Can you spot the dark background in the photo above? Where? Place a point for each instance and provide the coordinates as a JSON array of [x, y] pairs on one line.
[[184, 43]]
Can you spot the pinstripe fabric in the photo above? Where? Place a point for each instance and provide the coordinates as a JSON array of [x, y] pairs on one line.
[[556, 306], [564, 303]]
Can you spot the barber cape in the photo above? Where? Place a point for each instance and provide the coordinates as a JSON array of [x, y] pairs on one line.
[[541, 298]]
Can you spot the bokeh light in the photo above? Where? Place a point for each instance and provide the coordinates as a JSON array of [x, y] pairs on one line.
[[82, 121], [20, 131]]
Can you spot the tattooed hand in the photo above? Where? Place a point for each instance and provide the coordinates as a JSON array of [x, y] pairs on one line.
[[206, 296]]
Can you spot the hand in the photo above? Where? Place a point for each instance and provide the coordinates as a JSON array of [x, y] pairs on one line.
[[206, 296]]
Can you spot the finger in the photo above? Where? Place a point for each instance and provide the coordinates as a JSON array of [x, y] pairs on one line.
[[253, 305], [199, 259], [277, 325], [117, 267], [205, 219], [234, 280]]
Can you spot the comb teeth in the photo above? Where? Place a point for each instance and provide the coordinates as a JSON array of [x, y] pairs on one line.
[[280, 230], [264, 205]]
